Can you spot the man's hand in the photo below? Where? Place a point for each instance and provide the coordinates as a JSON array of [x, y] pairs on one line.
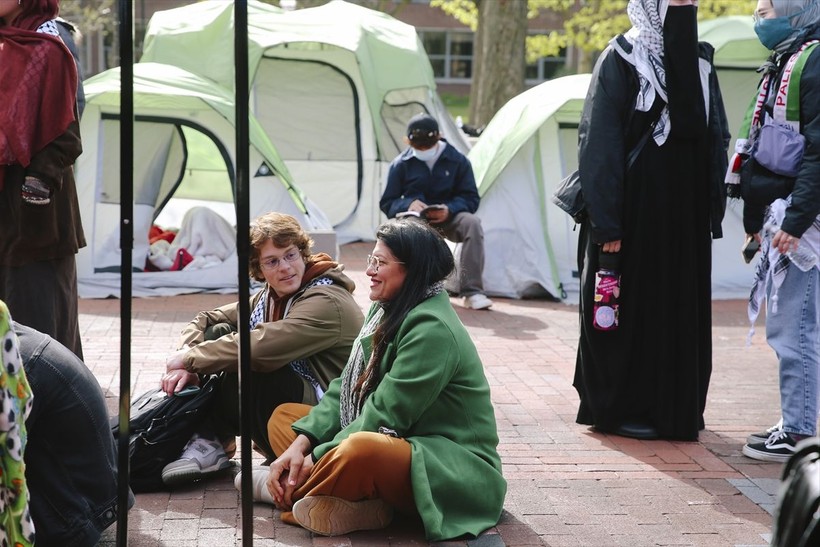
[[417, 206], [175, 361], [175, 380], [437, 216], [290, 471]]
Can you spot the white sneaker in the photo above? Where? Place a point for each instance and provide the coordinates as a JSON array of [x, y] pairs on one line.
[[259, 479], [200, 457], [477, 302]]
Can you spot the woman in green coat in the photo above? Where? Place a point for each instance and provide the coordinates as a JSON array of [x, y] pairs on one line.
[[409, 426]]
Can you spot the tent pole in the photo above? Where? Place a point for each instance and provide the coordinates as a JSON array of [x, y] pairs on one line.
[[242, 200], [126, 30]]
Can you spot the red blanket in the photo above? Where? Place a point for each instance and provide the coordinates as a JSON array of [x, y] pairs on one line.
[[38, 86]]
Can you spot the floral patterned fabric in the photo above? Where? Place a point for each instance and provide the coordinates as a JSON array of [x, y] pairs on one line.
[[16, 526]]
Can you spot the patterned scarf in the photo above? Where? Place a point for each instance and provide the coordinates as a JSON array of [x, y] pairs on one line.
[[646, 39], [771, 269], [351, 399], [39, 88], [15, 406]]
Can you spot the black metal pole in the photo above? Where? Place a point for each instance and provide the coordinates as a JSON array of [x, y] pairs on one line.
[[126, 30], [242, 198]]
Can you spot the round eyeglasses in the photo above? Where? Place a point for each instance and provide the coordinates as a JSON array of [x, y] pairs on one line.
[[374, 262], [272, 263]]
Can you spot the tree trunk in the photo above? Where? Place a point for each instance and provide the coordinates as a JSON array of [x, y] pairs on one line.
[[498, 57]]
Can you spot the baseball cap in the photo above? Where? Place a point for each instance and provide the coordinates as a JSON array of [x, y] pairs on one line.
[[422, 130]]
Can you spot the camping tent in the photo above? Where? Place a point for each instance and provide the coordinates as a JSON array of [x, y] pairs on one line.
[[184, 155], [531, 144], [528, 146], [333, 87]]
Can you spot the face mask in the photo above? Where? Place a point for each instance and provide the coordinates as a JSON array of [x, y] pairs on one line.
[[426, 155], [771, 32]]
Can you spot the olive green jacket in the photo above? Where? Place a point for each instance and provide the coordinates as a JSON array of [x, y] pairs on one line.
[[434, 394], [320, 326]]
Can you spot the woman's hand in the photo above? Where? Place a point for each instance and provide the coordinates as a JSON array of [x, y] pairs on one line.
[[290, 471], [611, 246], [176, 360], [785, 242], [175, 380]]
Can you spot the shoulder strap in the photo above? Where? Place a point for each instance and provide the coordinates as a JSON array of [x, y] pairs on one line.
[[786, 108]]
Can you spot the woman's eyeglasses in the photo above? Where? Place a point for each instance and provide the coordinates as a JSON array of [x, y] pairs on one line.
[[273, 263], [374, 262]]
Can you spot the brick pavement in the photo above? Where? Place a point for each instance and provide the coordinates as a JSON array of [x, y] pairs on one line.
[[568, 485]]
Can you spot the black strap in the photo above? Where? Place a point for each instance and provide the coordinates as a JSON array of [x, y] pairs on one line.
[[633, 154]]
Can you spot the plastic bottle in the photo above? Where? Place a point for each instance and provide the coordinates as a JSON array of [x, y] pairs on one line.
[[801, 257], [607, 292]]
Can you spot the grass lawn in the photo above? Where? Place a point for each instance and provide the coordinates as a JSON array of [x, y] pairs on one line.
[[457, 105]]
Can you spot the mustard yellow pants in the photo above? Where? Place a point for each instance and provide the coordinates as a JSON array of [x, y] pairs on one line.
[[366, 465]]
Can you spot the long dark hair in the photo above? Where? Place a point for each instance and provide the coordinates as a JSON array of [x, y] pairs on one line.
[[427, 260]]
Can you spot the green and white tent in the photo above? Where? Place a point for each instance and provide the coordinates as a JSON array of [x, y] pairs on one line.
[[525, 150], [333, 87], [531, 144], [184, 156]]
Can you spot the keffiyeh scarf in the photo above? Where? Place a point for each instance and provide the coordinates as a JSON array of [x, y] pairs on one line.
[[646, 38], [771, 269], [299, 366]]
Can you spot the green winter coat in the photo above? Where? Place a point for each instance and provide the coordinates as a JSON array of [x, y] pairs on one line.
[[433, 392]]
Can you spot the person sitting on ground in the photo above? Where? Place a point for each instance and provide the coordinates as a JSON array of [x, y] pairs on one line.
[[434, 180], [409, 426], [303, 324], [70, 455]]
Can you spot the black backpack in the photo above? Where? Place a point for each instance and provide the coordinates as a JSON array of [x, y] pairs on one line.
[[797, 516], [160, 426]]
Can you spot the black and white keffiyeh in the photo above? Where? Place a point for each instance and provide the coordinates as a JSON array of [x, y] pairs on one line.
[[299, 366], [771, 269], [646, 38]]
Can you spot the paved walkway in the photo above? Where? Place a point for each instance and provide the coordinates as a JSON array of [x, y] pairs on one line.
[[568, 485]]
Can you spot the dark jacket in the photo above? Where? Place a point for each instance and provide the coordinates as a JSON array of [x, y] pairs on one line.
[[451, 182], [603, 187], [34, 233], [805, 204], [71, 456]]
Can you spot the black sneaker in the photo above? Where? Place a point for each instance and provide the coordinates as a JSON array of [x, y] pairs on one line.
[[763, 436], [779, 447]]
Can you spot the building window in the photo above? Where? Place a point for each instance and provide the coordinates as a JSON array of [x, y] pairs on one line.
[[546, 68], [450, 53]]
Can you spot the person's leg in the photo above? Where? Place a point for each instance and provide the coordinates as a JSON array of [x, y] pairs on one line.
[[793, 332], [43, 295], [465, 228], [268, 391], [364, 466], [280, 434]]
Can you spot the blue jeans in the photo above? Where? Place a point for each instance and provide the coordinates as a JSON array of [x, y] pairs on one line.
[[793, 332]]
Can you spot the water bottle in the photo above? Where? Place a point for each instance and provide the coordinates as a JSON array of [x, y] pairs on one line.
[[801, 257], [607, 292]]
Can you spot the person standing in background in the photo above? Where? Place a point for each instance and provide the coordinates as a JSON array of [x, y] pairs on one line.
[[39, 142], [787, 27], [648, 378]]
